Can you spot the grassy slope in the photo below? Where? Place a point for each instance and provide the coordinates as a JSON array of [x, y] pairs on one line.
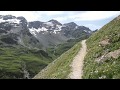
[[12, 59], [55, 52], [60, 68], [110, 68]]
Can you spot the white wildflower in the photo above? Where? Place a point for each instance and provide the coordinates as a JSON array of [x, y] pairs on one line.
[[114, 62], [103, 71], [102, 77], [96, 71]]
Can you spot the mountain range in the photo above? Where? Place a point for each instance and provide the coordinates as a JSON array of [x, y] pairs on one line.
[[37, 34], [27, 47]]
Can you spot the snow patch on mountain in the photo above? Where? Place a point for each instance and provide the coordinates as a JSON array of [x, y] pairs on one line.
[[49, 23], [10, 20], [56, 31], [59, 27], [34, 30], [87, 31], [76, 27]]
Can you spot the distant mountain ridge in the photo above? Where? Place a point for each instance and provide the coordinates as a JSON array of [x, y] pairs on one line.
[[40, 34], [14, 31], [55, 31]]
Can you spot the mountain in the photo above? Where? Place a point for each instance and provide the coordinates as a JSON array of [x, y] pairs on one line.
[[101, 62], [28, 47], [21, 55], [55, 22], [70, 26], [32, 34], [48, 33], [14, 31], [52, 33]]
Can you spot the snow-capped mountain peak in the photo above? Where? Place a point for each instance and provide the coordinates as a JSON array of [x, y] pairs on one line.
[[9, 19], [52, 26], [47, 33]]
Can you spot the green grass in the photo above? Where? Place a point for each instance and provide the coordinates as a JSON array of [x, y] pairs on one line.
[[110, 69], [55, 52], [12, 58], [60, 68]]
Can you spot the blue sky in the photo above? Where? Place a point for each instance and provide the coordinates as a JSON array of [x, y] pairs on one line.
[[92, 19]]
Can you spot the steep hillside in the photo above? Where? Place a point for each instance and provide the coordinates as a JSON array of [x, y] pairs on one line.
[[60, 68], [103, 57]]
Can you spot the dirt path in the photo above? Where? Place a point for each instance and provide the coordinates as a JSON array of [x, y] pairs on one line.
[[77, 63]]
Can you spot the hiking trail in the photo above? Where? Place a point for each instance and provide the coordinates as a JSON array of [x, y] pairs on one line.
[[77, 64]]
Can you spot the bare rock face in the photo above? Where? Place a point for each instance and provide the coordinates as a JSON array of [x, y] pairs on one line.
[[104, 42], [114, 54]]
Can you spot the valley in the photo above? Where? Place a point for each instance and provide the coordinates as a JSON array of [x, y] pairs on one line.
[[55, 50], [28, 47]]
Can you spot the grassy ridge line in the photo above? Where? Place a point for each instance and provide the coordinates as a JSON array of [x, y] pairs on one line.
[[60, 68]]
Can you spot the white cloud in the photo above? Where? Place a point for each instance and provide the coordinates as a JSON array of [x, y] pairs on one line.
[[92, 26], [67, 16], [29, 15], [33, 15], [64, 15], [60, 18], [94, 15], [50, 13]]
